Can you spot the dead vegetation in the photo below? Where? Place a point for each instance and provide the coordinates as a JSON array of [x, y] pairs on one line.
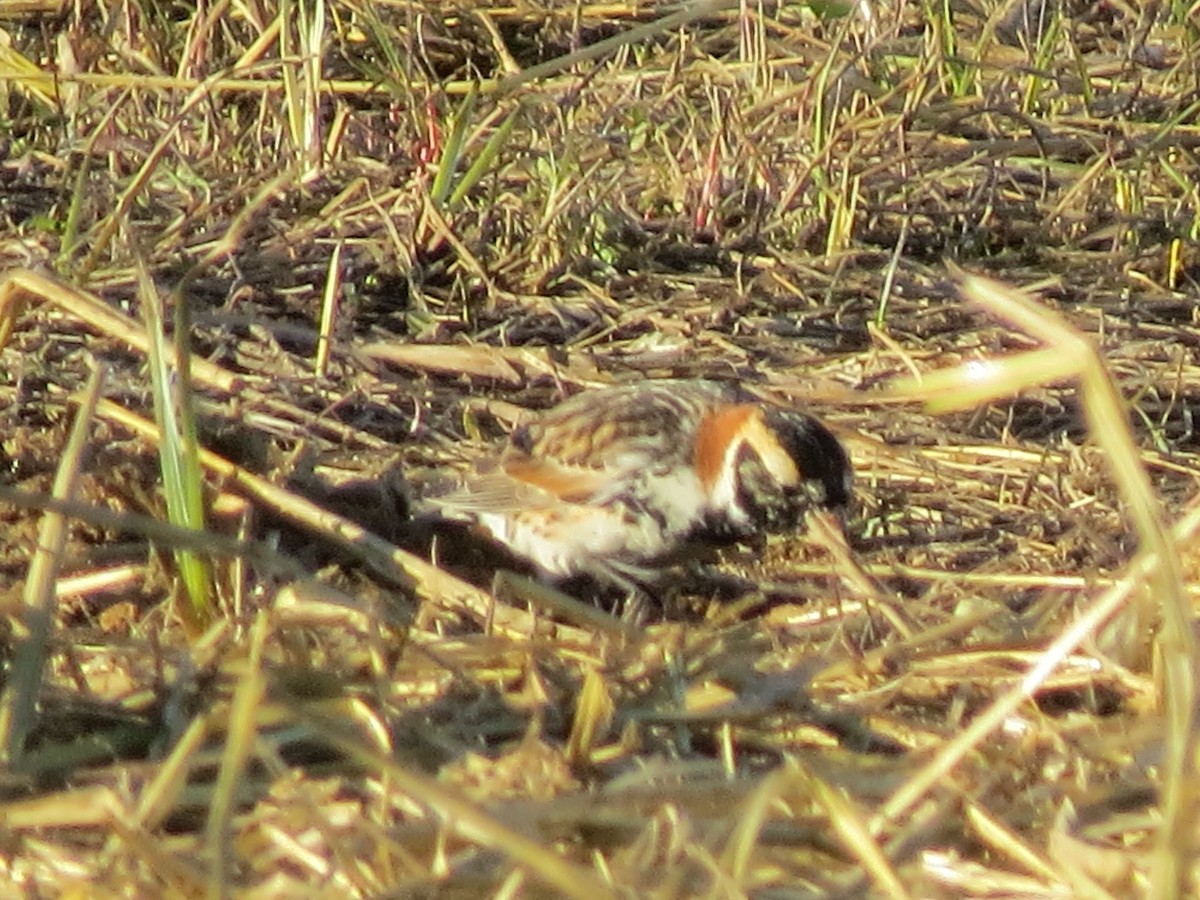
[[395, 229]]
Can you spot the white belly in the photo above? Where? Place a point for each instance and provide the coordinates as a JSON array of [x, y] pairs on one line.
[[579, 540]]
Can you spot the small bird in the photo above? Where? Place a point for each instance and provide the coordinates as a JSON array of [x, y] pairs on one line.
[[613, 483]]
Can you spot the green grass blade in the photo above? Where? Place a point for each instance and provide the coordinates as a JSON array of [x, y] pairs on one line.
[[178, 450]]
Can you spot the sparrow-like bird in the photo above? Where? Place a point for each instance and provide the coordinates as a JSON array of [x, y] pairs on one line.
[[612, 483]]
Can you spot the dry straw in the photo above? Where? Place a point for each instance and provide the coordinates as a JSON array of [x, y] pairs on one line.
[[400, 229]]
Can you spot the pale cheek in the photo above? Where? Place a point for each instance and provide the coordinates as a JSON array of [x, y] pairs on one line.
[[723, 496], [723, 493]]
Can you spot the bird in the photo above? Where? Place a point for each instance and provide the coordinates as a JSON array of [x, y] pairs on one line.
[[615, 482]]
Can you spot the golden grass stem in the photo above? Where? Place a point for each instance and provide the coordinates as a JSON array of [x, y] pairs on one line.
[[994, 715], [1159, 563], [1176, 641], [239, 744], [329, 306], [738, 852], [464, 818], [851, 828], [18, 704]]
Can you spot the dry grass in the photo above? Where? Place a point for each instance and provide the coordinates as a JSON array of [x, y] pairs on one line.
[[398, 228]]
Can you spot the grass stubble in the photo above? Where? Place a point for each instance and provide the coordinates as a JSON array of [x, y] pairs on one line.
[[390, 231]]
